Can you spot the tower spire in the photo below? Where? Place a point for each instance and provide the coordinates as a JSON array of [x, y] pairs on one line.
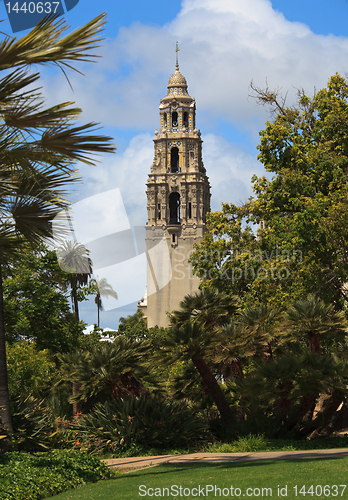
[[177, 57]]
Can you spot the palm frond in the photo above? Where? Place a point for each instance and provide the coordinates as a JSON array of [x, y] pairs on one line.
[[44, 44]]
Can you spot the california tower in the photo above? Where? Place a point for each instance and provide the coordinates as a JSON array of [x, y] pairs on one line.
[[178, 199]]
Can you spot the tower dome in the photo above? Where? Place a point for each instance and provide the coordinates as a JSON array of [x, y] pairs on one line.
[[177, 84], [177, 79]]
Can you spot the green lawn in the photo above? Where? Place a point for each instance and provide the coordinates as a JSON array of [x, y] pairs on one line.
[[166, 480]]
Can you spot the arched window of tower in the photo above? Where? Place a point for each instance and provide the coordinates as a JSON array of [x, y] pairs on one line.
[[174, 119], [174, 208], [164, 119], [185, 119], [174, 160]]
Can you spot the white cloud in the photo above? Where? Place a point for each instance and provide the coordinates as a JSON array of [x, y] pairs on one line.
[[229, 170], [127, 171], [99, 215], [127, 278], [224, 45]]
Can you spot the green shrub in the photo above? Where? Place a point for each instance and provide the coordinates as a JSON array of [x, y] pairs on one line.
[[32, 425], [30, 371], [144, 421], [33, 477], [252, 443]]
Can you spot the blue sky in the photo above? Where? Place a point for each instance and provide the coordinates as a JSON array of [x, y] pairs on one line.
[[224, 44]]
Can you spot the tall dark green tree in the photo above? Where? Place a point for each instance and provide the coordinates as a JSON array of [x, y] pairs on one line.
[[38, 146], [302, 247]]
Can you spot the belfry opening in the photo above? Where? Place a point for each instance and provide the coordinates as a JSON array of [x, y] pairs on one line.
[[174, 208], [174, 160], [174, 119]]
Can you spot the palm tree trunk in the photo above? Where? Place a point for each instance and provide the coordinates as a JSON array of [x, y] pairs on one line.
[[338, 421], [77, 404], [237, 368], [324, 417], [306, 405], [213, 389], [76, 303], [98, 314], [283, 403], [75, 386], [5, 412], [267, 355], [314, 342]]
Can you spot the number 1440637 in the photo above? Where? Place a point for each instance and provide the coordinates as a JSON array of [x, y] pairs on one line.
[[32, 7]]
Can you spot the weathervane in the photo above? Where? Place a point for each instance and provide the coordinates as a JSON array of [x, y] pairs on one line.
[[177, 57]]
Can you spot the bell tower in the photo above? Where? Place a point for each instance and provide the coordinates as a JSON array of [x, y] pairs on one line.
[[178, 199]]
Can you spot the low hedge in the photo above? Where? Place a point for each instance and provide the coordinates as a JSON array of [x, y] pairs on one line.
[[32, 477]]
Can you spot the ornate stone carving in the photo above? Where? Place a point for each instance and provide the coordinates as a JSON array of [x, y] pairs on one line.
[[190, 231], [173, 181], [156, 162]]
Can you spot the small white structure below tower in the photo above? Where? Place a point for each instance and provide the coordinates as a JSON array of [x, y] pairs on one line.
[[178, 199]]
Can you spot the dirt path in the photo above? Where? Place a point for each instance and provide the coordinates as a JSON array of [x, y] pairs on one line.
[[130, 464]]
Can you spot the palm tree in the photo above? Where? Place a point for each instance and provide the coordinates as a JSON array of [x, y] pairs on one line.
[[38, 146], [236, 342], [190, 341], [73, 259], [195, 330], [104, 289], [210, 307], [262, 322], [314, 319], [109, 370]]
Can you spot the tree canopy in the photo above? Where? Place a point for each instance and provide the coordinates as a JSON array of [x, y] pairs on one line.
[[36, 306], [301, 246]]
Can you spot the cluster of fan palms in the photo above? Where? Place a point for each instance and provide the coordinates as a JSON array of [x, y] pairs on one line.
[[108, 371], [281, 373]]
